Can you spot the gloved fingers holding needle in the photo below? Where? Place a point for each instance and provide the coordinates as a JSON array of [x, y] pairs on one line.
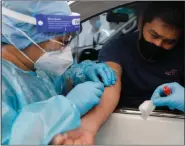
[[172, 97]]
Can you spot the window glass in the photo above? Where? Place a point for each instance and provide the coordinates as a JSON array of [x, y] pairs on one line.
[[97, 29]]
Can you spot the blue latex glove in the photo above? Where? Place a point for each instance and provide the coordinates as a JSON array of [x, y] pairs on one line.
[[86, 95], [93, 72], [174, 101]]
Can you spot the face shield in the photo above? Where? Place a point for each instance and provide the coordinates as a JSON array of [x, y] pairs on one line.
[[50, 34]]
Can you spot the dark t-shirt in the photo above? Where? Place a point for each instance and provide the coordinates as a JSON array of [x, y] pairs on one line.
[[139, 77]]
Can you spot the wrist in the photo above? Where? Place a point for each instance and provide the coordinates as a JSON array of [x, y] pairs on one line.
[[90, 125]]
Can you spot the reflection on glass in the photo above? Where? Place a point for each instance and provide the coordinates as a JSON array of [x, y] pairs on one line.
[[98, 29]]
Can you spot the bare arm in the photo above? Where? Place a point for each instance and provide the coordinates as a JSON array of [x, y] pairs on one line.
[[93, 120]]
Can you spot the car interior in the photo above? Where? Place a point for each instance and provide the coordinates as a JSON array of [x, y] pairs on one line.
[[123, 24]]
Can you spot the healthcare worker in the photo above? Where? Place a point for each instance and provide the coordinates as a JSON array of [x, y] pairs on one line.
[[96, 34], [35, 76]]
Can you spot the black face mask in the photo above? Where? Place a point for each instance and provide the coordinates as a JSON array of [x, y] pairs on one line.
[[150, 51]]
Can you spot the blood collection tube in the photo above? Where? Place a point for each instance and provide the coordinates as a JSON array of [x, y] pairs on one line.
[[166, 90]]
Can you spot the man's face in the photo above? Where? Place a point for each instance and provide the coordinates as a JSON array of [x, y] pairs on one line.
[[161, 34]]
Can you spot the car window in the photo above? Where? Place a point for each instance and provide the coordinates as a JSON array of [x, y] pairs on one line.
[[96, 29]]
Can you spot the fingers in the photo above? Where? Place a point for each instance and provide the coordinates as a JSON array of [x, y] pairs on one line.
[[157, 93], [111, 75], [58, 139], [78, 142], [69, 141], [96, 101], [94, 77], [161, 101], [99, 86], [108, 75], [91, 84], [114, 78], [166, 101], [75, 133], [170, 85], [108, 72], [159, 90], [103, 75], [99, 93]]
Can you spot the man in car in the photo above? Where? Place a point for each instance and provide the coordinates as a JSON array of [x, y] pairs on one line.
[[143, 61], [149, 58]]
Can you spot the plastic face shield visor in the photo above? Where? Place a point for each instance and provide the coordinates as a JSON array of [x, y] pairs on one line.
[[51, 32]]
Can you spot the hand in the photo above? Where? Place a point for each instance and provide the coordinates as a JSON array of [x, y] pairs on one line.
[[59, 139], [174, 101], [79, 136], [93, 72], [86, 95]]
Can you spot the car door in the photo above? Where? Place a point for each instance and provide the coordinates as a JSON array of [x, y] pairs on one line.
[[125, 125]]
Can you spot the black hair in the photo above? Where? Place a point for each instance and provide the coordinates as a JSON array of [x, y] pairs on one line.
[[171, 13]]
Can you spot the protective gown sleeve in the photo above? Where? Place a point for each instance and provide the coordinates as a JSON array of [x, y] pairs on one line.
[[72, 77], [39, 122], [76, 73]]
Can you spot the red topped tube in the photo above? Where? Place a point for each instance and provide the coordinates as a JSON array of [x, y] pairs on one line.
[[166, 90]]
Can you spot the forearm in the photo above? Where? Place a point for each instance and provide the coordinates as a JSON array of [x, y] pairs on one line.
[[99, 114]]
